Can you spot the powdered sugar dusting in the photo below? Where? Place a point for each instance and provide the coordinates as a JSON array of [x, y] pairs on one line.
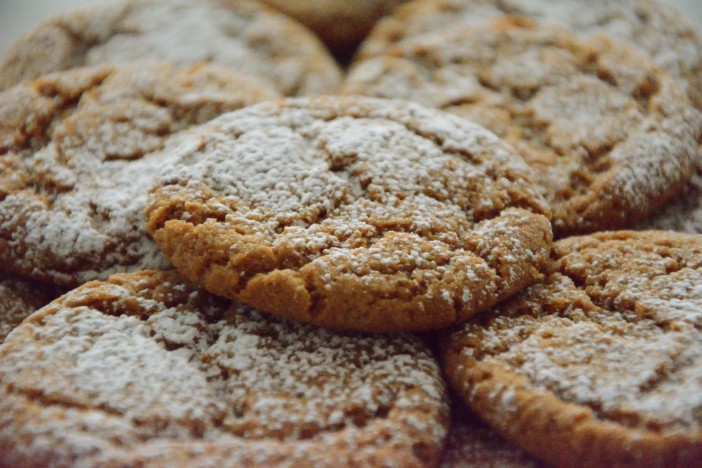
[[155, 363], [73, 211]]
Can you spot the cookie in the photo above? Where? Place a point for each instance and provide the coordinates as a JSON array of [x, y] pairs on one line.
[[472, 444], [147, 369], [610, 136], [599, 364], [342, 24], [684, 213], [351, 213], [18, 299], [78, 150], [654, 27], [244, 36]]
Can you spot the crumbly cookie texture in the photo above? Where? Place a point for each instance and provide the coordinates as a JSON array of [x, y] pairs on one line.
[[342, 24], [599, 364], [241, 35], [18, 299], [472, 444], [146, 368], [650, 25], [351, 213], [78, 150], [610, 136]]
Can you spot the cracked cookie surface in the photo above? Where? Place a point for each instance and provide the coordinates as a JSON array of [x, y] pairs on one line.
[[145, 368], [610, 137], [655, 27], [351, 213], [18, 299], [78, 150], [600, 363], [244, 36]]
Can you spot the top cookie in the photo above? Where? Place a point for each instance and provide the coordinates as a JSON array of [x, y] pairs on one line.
[[599, 364], [78, 150], [609, 135], [244, 36], [146, 370], [684, 213], [342, 24], [652, 26], [351, 213]]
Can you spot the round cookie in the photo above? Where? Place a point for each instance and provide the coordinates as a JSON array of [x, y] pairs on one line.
[[342, 24], [244, 36], [684, 213], [472, 444], [653, 26], [146, 369], [78, 150], [599, 364], [18, 299], [610, 136], [351, 213]]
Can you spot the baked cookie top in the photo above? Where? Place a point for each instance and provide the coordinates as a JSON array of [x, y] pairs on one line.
[[351, 213], [655, 27], [609, 135], [599, 364], [77, 153], [342, 24], [18, 299], [472, 444], [244, 36], [145, 368]]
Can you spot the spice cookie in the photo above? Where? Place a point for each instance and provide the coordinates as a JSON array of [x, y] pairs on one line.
[[244, 36], [18, 299], [610, 137], [78, 150], [472, 444], [652, 26], [146, 369], [351, 213], [342, 24], [599, 364]]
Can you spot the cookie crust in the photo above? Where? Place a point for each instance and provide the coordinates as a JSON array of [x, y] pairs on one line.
[[146, 368], [18, 299], [351, 213], [78, 150], [610, 136], [244, 36], [599, 364]]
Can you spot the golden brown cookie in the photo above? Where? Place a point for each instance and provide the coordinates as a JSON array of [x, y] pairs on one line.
[[241, 35], [610, 136], [653, 26], [342, 24], [78, 150], [472, 444], [351, 213], [147, 369], [599, 364], [18, 299]]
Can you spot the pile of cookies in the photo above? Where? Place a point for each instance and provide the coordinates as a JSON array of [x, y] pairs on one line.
[[219, 248]]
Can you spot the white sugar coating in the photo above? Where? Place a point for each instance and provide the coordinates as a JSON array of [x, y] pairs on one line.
[[114, 370], [242, 36], [593, 118], [319, 191], [615, 327], [650, 25], [18, 299], [83, 148]]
